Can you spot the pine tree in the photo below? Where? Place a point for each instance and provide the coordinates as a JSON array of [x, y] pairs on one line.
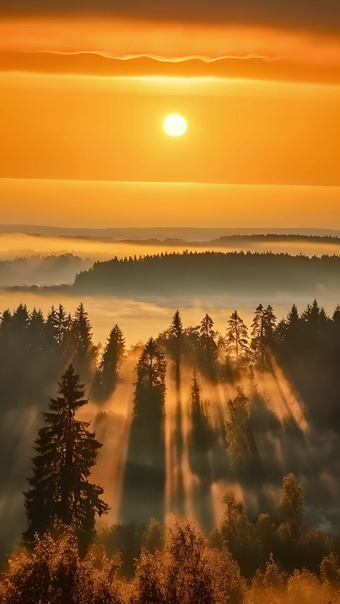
[[263, 328], [288, 335], [238, 436], [60, 324], [206, 327], [176, 327], [237, 339], [145, 468], [20, 321], [60, 492], [315, 322], [111, 360], [81, 336], [336, 326], [293, 319], [35, 331], [208, 350], [335, 317], [314, 314], [176, 337], [150, 386]]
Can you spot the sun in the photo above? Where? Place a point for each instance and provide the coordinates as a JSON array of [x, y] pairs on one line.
[[174, 125]]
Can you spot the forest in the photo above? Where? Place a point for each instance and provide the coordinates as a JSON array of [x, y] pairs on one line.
[[196, 273], [223, 470]]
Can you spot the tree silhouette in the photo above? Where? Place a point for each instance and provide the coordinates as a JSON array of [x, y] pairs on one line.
[[112, 357], [292, 503], [239, 444], [237, 339], [208, 351], [60, 492], [150, 385], [145, 471], [176, 342], [60, 324], [81, 335], [263, 328]]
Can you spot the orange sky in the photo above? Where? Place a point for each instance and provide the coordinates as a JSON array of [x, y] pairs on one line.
[[266, 112]]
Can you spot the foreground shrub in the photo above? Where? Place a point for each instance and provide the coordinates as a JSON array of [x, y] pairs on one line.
[[54, 573], [187, 572]]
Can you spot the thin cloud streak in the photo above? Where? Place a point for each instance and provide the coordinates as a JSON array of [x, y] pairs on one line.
[[160, 58]]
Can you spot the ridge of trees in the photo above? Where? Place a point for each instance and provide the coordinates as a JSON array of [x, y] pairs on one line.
[[192, 271]]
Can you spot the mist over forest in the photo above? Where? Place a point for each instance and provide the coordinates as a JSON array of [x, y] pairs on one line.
[[53, 258], [170, 302], [234, 427], [41, 270]]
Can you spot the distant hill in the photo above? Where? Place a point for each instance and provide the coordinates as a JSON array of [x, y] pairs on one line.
[[161, 233], [210, 273], [229, 240]]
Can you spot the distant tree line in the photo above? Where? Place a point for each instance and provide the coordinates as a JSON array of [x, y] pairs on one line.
[[202, 272]]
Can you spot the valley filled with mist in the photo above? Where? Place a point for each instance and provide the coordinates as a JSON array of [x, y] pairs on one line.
[[209, 373]]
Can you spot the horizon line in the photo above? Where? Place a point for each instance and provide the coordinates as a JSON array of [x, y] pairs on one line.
[[167, 183]]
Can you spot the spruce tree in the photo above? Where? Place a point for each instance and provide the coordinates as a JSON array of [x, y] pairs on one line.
[[150, 386], [238, 436], [60, 492], [60, 324], [176, 337], [263, 328], [208, 350], [35, 331], [237, 339], [145, 469], [111, 360], [316, 324], [288, 335], [20, 322], [81, 337]]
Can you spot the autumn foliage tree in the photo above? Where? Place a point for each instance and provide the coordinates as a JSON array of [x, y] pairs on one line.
[[187, 571], [54, 573]]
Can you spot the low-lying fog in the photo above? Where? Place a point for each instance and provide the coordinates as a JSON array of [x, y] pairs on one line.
[[14, 245]]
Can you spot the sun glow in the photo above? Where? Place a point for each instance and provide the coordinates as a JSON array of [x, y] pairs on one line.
[[174, 125]]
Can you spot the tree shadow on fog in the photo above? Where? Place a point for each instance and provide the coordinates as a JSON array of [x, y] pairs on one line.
[[200, 446], [144, 480], [178, 496]]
